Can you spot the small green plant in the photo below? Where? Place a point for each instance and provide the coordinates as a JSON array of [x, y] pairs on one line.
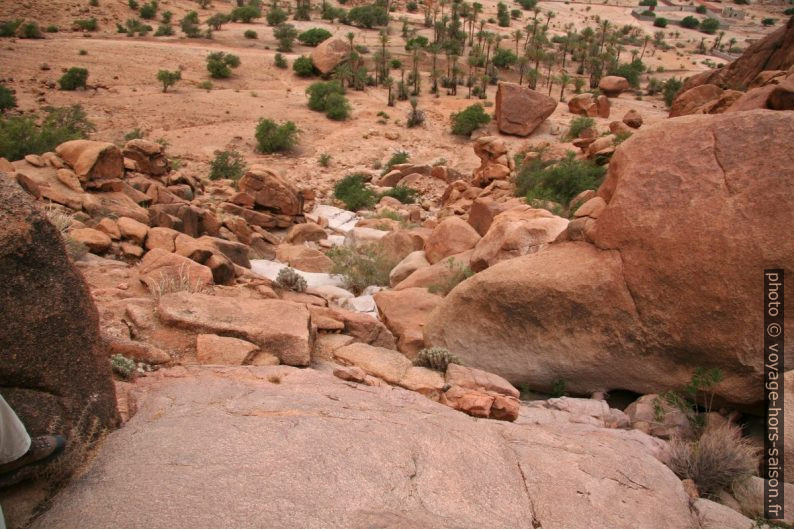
[[280, 61], [578, 125], [22, 135], [353, 192], [670, 89], [133, 4], [710, 25], [415, 116], [469, 119], [217, 21], [337, 107], [122, 366], [329, 97], [436, 358], [557, 180], [245, 14], [205, 85], [168, 78], [324, 160], [52, 28], [134, 134], [93, 3], [559, 388], [7, 98], [273, 137], [285, 34], [690, 22], [660, 22], [303, 66], [82, 52], [30, 30], [404, 194], [73, 79], [250, 34], [148, 11], [220, 64], [314, 36], [227, 164], [458, 272], [397, 158], [276, 16], [289, 279], [361, 266], [702, 383], [89, 24]]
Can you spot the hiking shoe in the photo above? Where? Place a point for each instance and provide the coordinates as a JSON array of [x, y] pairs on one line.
[[42, 449]]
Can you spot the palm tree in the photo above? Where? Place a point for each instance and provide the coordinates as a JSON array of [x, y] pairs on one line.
[[604, 27], [384, 40], [549, 16], [389, 82], [517, 34], [563, 79], [523, 62]]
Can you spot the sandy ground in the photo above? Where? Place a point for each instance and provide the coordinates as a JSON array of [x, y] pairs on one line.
[[196, 122]]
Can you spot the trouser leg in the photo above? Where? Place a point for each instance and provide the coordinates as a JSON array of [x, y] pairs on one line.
[[14, 439]]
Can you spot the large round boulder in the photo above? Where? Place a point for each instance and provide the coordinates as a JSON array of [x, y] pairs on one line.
[[520, 110], [671, 282], [613, 85], [329, 53]]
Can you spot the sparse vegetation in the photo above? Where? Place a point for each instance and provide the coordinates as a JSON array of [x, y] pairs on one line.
[[458, 272], [578, 125], [22, 135], [670, 89], [404, 194], [303, 67], [276, 16], [7, 99], [220, 64], [273, 137], [415, 116], [89, 24], [437, 358], [285, 34], [73, 79], [178, 280], [246, 14], [709, 25], [328, 97], [690, 22], [324, 160], [30, 30], [168, 78], [314, 36], [361, 266], [122, 367], [368, 16], [469, 119], [289, 279], [250, 34], [337, 107], [354, 193], [227, 164], [557, 180], [280, 61]]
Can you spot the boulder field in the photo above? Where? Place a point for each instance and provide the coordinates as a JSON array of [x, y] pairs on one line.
[[662, 276]]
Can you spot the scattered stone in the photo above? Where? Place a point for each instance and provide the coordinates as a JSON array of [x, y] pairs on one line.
[[95, 240], [613, 85], [453, 235], [214, 349]]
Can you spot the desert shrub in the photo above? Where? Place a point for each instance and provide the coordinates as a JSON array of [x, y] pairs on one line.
[[337, 107], [631, 71], [415, 116], [280, 61], [289, 279], [148, 11], [73, 79], [361, 266], [701, 9], [246, 14], [354, 193], [205, 85], [7, 99], [766, 22], [695, 398], [303, 66], [789, 12], [469, 119], [648, 13], [527, 5], [558, 180], [30, 30], [227, 164], [710, 26], [420, 41], [318, 93], [314, 36], [133, 4], [670, 89], [134, 134], [324, 160], [437, 358], [122, 367], [276, 16], [168, 78], [164, 30], [250, 34], [220, 64], [716, 460], [52, 28], [690, 22], [285, 35], [89, 24], [189, 25], [273, 137], [368, 16], [177, 281], [660, 22], [8, 28], [458, 272], [502, 15], [412, 6], [330, 13], [217, 21], [404, 194], [134, 26], [504, 58], [396, 159], [578, 125]]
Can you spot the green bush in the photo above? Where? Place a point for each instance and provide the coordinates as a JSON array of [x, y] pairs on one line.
[[558, 180], [280, 61], [250, 34], [7, 98], [660, 22], [648, 13], [8, 28], [690, 22], [285, 35], [469, 119], [353, 192], [73, 79], [314, 36], [368, 16], [415, 116], [361, 267], [701, 10], [272, 137], [404, 194], [303, 66], [396, 159], [246, 14], [220, 64], [768, 22], [134, 26], [324, 160], [578, 125], [122, 366], [227, 164], [52, 28], [168, 78], [289, 279], [22, 135], [337, 107], [710, 26], [789, 11], [30, 30], [148, 11], [437, 358], [670, 89], [164, 30], [276, 16], [189, 25], [89, 24], [527, 5], [631, 71], [504, 58], [217, 21], [133, 4]]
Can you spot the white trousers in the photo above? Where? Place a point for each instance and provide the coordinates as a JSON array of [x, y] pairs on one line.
[[14, 439]]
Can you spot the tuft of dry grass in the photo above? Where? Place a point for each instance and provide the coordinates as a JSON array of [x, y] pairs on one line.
[[169, 283], [716, 460]]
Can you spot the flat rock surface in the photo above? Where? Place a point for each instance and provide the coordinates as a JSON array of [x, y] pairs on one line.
[[254, 447]]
